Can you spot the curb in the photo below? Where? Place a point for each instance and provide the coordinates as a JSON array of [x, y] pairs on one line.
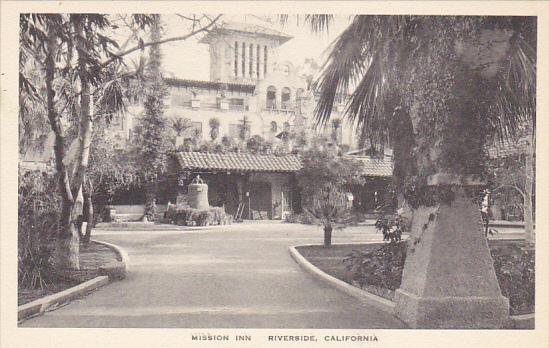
[[41, 305], [381, 303], [521, 322], [123, 254], [524, 322]]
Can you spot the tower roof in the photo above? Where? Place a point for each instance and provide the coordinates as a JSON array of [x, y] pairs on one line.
[[249, 28]]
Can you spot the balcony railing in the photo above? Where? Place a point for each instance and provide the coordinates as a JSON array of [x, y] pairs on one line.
[[204, 105]]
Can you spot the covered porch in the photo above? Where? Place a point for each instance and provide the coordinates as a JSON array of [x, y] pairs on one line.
[[247, 186]]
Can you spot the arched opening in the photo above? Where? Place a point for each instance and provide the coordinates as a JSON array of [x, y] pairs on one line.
[[271, 98], [286, 127], [274, 127], [299, 94], [285, 98]]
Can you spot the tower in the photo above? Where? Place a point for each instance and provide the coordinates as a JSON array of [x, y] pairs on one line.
[[242, 52]]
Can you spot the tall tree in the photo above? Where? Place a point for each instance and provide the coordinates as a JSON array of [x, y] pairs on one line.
[[437, 88], [75, 53], [151, 132]]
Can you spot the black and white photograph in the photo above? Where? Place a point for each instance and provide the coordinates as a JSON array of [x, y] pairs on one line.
[[254, 178]]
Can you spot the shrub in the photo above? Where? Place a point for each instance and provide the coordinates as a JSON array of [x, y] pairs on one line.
[[39, 214], [196, 217], [515, 269], [302, 218], [391, 225], [381, 267]]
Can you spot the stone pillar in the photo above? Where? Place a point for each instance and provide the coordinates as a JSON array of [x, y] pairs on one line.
[[449, 281]]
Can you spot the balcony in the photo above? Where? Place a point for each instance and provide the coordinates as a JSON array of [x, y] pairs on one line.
[[209, 106]]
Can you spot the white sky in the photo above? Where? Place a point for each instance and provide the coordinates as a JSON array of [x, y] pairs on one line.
[[190, 60]]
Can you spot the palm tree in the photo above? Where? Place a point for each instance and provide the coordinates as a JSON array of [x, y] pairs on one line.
[[436, 89], [180, 124]]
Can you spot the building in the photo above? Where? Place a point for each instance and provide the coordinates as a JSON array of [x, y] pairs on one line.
[[248, 84]]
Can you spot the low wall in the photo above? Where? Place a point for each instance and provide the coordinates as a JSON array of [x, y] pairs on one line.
[[136, 208]]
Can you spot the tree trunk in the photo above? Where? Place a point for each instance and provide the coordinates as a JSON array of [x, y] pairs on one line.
[[328, 236], [88, 214], [151, 190], [528, 198], [66, 246]]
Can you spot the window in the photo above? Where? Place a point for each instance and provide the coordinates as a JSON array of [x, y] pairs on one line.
[[243, 60], [274, 127], [286, 200], [265, 60], [251, 60], [258, 61], [286, 70], [299, 94], [271, 98], [234, 130], [195, 130], [236, 103], [179, 98], [236, 67], [285, 98], [286, 127]]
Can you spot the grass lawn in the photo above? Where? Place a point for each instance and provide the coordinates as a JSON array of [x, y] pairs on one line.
[[92, 256], [514, 283]]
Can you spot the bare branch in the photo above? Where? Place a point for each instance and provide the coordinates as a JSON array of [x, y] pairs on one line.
[[515, 187], [176, 38]]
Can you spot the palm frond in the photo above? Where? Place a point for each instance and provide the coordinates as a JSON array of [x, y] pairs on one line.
[[359, 59], [319, 22], [515, 106]]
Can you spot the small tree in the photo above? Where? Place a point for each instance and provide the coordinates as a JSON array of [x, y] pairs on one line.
[[336, 125], [324, 179], [329, 209], [244, 129], [180, 124], [255, 144], [214, 124]]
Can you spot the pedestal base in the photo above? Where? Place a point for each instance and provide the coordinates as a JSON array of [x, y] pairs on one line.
[[451, 312], [449, 280]]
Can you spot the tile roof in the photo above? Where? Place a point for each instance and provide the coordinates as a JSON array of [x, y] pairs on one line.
[[247, 28], [219, 86], [374, 166], [246, 162], [238, 162]]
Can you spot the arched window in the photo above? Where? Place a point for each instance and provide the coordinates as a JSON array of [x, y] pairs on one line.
[[285, 98], [271, 98], [299, 94], [274, 127]]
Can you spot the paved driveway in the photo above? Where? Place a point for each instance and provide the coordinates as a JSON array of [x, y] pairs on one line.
[[239, 276]]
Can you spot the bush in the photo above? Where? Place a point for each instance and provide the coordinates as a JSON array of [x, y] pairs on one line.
[[302, 218], [515, 269], [391, 225], [380, 267], [383, 268], [39, 213], [196, 217]]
